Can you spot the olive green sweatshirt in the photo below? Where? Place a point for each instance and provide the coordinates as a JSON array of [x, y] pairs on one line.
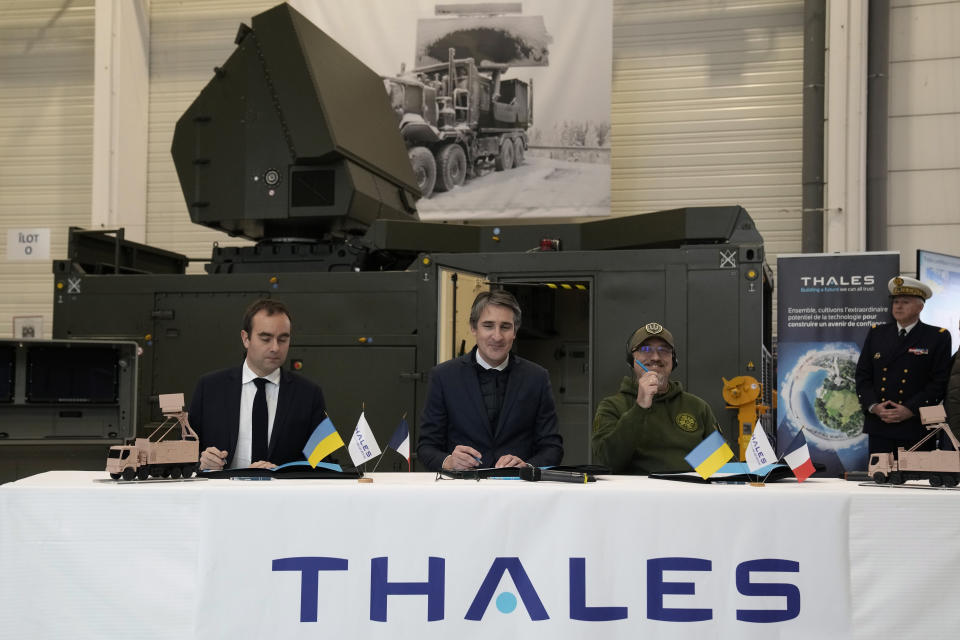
[[630, 439]]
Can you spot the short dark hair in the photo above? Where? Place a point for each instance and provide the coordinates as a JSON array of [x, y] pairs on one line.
[[497, 297], [272, 307]]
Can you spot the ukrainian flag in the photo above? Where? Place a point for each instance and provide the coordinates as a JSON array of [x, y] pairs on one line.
[[324, 441], [708, 456]]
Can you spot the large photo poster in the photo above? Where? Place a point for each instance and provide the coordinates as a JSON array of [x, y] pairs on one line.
[[504, 107], [826, 304], [942, 273]]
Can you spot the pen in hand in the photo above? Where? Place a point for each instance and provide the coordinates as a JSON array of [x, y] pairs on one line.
[[640, 364]]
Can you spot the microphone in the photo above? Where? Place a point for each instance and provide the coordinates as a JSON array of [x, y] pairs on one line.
[[535, 474]]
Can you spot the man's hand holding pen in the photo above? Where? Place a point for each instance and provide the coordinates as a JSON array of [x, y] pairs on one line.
[[462, 457]]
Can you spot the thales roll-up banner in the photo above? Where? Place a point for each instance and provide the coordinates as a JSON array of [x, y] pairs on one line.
[[826, 304]]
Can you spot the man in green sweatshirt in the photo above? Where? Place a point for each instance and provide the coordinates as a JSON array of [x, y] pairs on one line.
[[652, 423]]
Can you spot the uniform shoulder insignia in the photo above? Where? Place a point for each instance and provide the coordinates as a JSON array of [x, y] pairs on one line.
[[941, 330], [873, 326]]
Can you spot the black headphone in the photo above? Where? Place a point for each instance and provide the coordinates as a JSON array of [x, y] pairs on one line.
[[630, 356]]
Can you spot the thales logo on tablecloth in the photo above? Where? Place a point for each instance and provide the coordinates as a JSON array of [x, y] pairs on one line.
[[780, 598]]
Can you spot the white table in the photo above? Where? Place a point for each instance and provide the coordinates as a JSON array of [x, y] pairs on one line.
[[206, 559]]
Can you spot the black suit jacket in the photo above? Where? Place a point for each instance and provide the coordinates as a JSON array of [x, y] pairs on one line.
[[215, 414], [455, 414], [911, 371], [952, 403]]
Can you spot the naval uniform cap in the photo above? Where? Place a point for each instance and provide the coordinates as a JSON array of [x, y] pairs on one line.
[[907, 286]]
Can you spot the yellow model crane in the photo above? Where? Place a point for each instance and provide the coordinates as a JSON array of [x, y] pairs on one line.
[[743, 393]]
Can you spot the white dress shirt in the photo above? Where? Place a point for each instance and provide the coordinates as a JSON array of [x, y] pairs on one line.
[[500, 367], [248, 390]]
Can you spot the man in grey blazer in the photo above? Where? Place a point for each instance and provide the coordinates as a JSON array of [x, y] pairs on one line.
[[256, 415], [489, 408]]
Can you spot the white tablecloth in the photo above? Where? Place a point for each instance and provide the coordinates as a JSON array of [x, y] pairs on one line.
[[406, 556]]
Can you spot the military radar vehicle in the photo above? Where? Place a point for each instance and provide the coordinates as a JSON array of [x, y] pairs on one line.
[[940, 467], [293, 144], [156, 455]]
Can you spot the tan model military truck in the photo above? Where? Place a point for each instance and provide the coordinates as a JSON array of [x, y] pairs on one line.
[[158, 455], [940, 467]]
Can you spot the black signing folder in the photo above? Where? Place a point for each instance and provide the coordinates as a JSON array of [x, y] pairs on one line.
[[291, 471], [731, 472]]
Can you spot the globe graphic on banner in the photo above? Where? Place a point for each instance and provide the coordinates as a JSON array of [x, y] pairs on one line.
[[821, 397]]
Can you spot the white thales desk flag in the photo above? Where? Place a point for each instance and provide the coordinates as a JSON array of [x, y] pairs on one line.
[[759, 451], [363, 446]]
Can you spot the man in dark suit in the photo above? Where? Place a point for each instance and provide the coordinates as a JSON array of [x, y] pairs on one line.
[[952, 403], [903, 366], [256, 415], [490, 408]]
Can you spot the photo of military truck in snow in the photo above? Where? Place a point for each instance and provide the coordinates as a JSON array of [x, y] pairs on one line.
[[458, 115], [460, 120]]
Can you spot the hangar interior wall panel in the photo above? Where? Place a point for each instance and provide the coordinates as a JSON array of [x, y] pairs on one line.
[[188, 39], [46, 137], [924, 129], [707, 110]]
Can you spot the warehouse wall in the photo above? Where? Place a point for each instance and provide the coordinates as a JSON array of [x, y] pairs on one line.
[[706, 110], [923, 183], [46, 141]]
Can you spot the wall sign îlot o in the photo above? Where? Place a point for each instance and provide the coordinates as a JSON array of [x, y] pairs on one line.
[[28, 244]]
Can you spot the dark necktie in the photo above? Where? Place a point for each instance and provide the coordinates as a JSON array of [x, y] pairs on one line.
[[903, 333], [258, 451]]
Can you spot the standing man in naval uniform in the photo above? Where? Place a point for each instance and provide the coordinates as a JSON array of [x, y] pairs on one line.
[[904, 365]]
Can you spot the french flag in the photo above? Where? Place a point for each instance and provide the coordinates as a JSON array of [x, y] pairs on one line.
[[798, 457], [400, 441]]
